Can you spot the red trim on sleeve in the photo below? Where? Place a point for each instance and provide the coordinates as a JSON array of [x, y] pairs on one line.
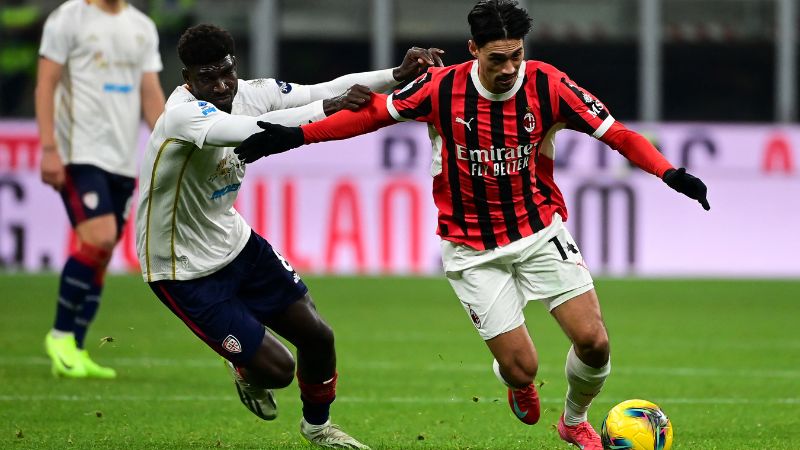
[[346, 124], [636, 149]]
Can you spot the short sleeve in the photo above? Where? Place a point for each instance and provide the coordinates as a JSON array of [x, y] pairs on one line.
[[581, 110], [413, 101], [268, 94], [152, 57], [191, 121], [57, 37]]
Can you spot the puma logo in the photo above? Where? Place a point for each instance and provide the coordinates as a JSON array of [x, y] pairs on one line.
[[466, 123]]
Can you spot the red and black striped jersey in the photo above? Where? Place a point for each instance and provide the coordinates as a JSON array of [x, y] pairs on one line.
[[493, 153]]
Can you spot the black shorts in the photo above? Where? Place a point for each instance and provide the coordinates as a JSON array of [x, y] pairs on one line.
[[228, 308], [90, 191]]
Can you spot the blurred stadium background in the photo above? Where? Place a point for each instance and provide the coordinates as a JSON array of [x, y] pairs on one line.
[[714, 83]]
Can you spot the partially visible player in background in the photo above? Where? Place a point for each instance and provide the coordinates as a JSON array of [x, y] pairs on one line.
[[492, 123], [98, 74], [201, 258]]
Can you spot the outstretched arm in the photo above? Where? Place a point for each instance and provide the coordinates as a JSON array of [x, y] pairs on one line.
[[644, 155], [342, 125], [346, 124], [416, 61]]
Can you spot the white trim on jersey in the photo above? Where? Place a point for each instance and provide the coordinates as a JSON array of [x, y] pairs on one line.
[[393, 111], [436, 156], [601, 130], [473, 73]]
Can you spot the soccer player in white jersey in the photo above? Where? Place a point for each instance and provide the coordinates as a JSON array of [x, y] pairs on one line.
[[201, 258], [98, 74]]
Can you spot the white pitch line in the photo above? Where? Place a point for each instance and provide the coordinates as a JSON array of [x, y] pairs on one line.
[[375, 400], [689, 372]]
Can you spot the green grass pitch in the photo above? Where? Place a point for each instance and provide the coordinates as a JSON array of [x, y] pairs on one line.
[[722, 358]]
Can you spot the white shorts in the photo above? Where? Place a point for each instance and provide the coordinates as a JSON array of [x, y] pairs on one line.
[[495, 285]]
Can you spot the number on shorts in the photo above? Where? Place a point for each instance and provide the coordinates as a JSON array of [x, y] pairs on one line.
[[561, 251], [285, 263]]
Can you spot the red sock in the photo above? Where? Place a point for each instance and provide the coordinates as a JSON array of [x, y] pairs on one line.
[[317, 399]]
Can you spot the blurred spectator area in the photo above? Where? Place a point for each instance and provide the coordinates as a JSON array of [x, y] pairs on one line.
[[719, 56]]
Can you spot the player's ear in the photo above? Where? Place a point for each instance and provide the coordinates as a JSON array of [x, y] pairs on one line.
[[473, 49], [185, 73]]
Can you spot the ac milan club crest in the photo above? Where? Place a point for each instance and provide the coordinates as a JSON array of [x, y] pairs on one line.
[[529, 122], [474, 316], [232, 344]]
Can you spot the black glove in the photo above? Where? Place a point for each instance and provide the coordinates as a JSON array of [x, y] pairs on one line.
[[274, 139], [687, 184]]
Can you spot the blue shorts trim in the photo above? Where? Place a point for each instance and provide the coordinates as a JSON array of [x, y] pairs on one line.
[[228, 308]]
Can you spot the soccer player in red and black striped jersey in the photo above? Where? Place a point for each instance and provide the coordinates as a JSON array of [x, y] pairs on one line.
[[492, 123]]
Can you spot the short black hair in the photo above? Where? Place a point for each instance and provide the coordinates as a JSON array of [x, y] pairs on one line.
[[204, 44], [490, 20]]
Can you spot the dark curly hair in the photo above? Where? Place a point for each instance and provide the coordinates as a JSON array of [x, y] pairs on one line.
[[490, 20], [204, 44]]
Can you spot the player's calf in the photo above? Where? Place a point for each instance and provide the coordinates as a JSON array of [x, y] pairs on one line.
[[524, 402]]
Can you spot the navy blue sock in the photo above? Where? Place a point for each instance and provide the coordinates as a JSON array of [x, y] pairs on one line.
[[315, 413], [86, 314], [76, 282]]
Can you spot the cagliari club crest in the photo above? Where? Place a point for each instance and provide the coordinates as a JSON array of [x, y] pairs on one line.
[[232, 344]]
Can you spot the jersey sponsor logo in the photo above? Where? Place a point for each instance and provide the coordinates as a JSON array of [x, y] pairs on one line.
[[118, 88], [529, 122], [495, 161], [466, 123], [231, 344], [206, 108], [226, 190], [284, 86], [91, 200]]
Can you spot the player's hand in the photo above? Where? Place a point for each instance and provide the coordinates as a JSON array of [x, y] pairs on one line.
[[52, 168], [416, 62], [274, 139], [688, 185], [353, 99]]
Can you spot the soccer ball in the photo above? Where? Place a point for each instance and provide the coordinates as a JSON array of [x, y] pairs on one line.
[[636, 425]]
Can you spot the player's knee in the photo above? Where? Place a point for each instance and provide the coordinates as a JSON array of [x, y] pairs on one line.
[[271, 367], [275, 373], [323, 337], [282, 377], [96, 255], [318, 338], [594, 349]]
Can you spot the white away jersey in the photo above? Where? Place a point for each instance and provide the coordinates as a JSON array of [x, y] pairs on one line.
[[186, 226], [98, 105]]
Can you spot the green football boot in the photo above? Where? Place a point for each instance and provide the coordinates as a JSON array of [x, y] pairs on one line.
[[64, 356], [94, 370]]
